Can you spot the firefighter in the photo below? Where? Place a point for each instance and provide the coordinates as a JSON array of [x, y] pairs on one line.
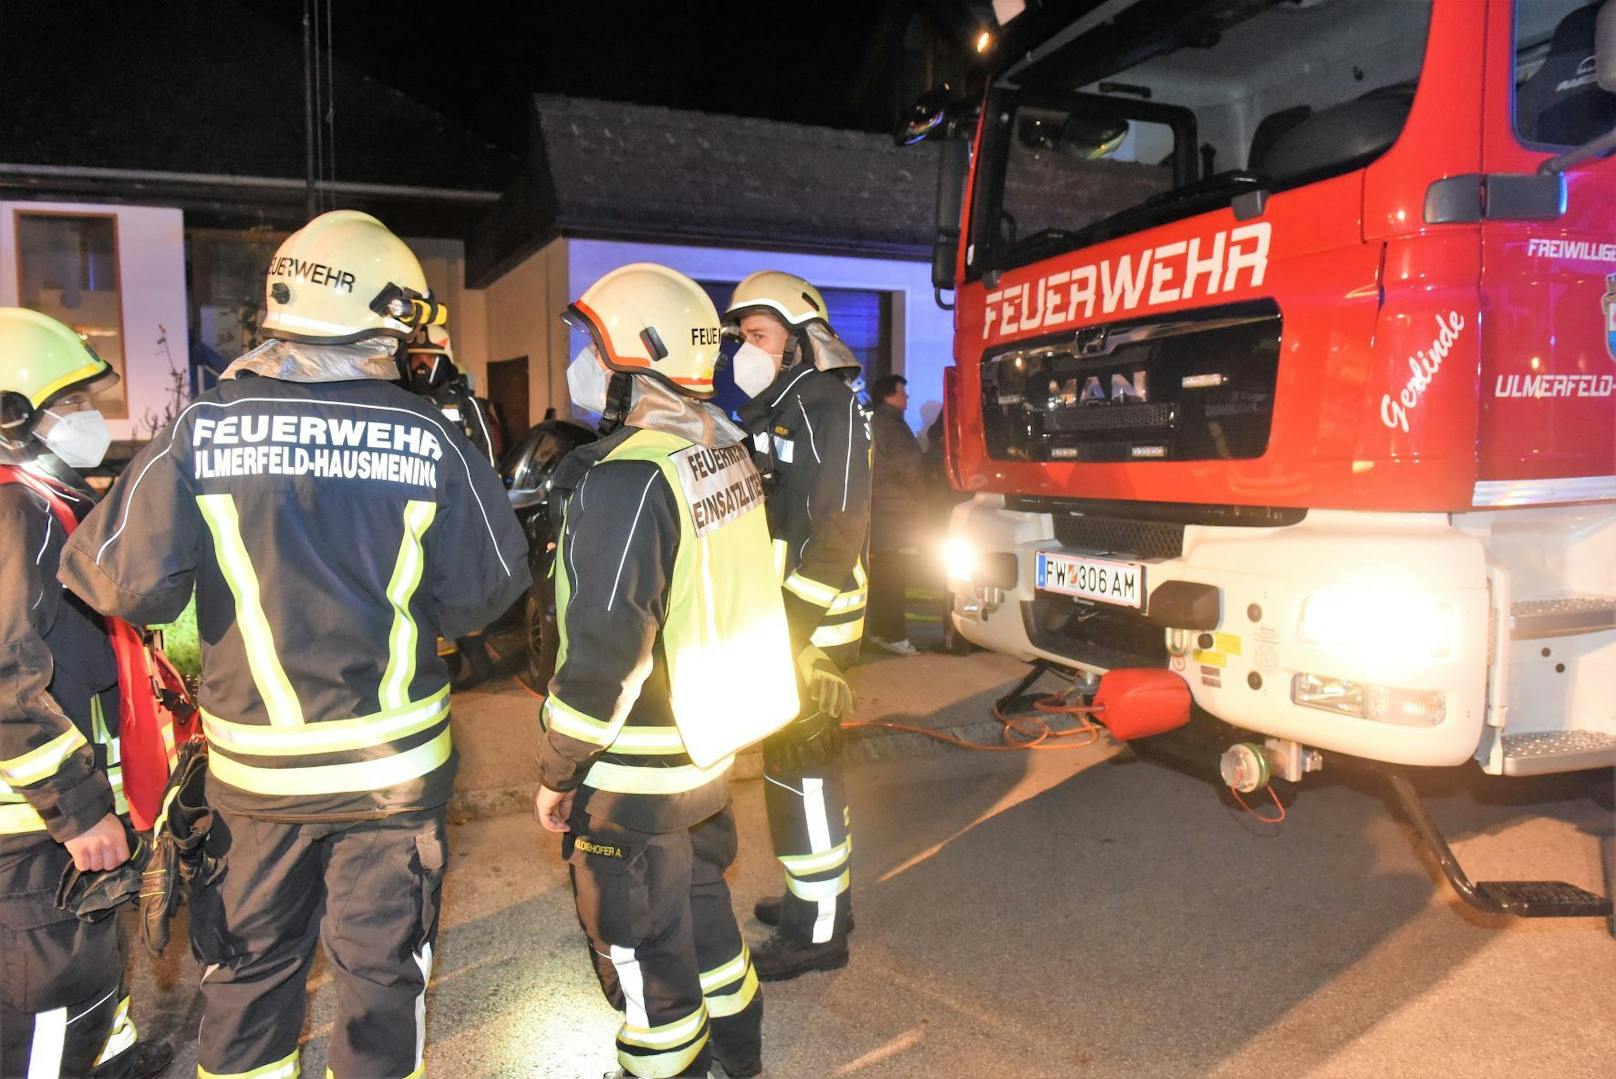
[[814, 435], [672, 636], [430, 371], [62, 1008], [333, 526]]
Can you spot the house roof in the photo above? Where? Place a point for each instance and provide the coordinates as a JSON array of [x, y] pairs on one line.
[[210, 90], [607, 169]]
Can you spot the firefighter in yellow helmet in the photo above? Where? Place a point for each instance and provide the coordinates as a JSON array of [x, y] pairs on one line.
[[814, 438], [333, 526], [62, 1011], [674, 654]]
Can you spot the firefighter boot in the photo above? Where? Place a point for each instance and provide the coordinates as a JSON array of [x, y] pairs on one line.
[[476, 666], [779, 959], [767, 911], [143, 1060]]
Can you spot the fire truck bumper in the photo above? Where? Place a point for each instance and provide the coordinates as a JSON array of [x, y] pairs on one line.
[[1366, 634]]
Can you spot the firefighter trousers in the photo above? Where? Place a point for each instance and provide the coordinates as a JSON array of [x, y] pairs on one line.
[[811, 827], [665, 945], [368, 890], [63, 1011]]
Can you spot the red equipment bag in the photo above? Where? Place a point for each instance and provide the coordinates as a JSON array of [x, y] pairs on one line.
[[156, 713], [1139, 702]]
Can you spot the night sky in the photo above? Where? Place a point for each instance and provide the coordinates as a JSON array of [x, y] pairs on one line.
[[834, 63]]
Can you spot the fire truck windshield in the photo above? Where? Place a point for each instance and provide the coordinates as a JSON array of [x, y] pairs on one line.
[[1077, 149]]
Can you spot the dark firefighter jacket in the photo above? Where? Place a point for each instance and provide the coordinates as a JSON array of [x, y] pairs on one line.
[[58, 678], [333, 530], [817, 435], [669, 617]]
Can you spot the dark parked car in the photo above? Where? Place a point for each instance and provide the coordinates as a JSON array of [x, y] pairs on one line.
[[528, 468]]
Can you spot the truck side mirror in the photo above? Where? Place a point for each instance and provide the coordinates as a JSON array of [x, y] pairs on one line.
[[1605, 47], [944, 253]]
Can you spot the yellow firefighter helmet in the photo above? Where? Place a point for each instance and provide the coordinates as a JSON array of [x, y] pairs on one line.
[[648, 319], [786, 296], [343, 277], [40, 360]]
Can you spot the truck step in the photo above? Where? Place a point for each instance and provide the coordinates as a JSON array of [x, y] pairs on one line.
[[1543, 899], [1521, 898], [1541, 752], [1563, 617]]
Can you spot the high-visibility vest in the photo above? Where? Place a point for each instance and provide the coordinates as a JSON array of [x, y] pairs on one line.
[[141, 754], [731, 675]]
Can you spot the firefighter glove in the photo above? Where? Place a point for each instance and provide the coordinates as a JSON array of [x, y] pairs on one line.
[[95, 894], [823, 686], [182, 825]]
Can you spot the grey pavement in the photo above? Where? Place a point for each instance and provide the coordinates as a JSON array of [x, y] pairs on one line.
[[1061, 913]]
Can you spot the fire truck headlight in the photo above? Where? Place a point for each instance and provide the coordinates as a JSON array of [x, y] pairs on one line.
[[959, 559], [1378, 623]]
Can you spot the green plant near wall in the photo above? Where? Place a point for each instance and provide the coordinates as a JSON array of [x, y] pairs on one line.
[[181, 644]]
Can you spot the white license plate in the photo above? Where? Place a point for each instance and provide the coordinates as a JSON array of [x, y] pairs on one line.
[[1100, 579]]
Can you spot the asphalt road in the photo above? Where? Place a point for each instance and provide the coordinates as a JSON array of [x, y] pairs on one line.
[[1073, 913]]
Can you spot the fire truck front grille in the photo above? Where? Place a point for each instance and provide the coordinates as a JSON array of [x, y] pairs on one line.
[[1187, 386], [1116, 535]]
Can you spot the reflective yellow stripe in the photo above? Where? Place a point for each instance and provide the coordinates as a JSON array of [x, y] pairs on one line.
[[370, 775], [562, 718], [120, 804], [841, 633], [813, 890], [20, 819], [862, 578], [803, 865], [725, 973], [734, 1003], [632, 779], [327, 736], [405, 637], [43, 762], [665, 1036], [123, 1034], [848, 601], [280, 700], [780, 550], [810, 590], [648, 740], [661, 1065], [82, 374], [285, 1068]]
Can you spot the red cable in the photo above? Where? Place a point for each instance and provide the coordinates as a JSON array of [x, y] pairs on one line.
[[1021, 732], [1266, 820]]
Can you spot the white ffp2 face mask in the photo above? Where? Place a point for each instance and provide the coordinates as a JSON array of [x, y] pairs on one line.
[[587, 379], [80, 439], [754, 369]]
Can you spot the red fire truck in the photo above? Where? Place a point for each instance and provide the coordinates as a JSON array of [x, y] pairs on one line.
[[1286, 361]]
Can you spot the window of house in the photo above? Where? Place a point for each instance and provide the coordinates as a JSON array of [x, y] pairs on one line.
[[67, 268], [226, 271]]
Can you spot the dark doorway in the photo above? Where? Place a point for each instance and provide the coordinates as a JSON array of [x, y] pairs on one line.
[[507, 392]]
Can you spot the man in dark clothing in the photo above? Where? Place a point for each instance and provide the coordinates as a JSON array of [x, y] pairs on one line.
[[674, 653], [333, 526], [811, 434], [897, 513], [432, 374], [61, 714]]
